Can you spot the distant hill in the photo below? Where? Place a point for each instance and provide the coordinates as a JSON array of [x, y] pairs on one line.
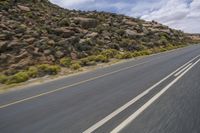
[[36, 32]]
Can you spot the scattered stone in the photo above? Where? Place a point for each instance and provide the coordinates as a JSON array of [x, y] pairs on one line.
[[59, 54], [24, 8]]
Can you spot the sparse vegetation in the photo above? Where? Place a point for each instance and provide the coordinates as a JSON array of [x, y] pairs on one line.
[[66, 62], [75, 66], [3, 78], [101, 58], [18, 78], [38, 39], [45, 69]]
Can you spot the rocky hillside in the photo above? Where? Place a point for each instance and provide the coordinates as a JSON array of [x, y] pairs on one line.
[[36, 32]]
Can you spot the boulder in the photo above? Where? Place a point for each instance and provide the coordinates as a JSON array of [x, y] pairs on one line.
[[86, 22], [24, 8], [30, 40], [130, 23], [130, 32], [92, 35], [47, 52], [64, 32]]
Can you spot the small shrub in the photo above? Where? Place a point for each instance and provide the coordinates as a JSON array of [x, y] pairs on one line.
[[163, 49], [18, 78], [66, 62], [101, 58], [135, 54], [126, 55], [119, 56], [48, 69], [84, 61], [145, 52], [32, 72], [109, 53], [3, 78], [75, 66], [91, 58]]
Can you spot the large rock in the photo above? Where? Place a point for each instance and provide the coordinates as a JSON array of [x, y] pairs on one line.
[[92, 35], [86, 22], [130, 23], [133, 33], [64, 32], [24, 8]]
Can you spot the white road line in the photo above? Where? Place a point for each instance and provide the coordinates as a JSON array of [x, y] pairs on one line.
[[178, 73], [72, 85], [152, 100], [117, 111]]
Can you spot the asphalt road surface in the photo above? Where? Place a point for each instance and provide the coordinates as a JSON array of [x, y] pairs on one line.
[[154, 94]]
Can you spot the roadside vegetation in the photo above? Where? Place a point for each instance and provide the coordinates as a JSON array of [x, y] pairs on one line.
[[66, 62], [38, 38]]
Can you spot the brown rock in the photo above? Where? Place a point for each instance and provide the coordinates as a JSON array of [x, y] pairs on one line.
[[3, 37], [73, 56], [64, 32], [92, 35], [24, 8], [30, 40], [86, 22], [47, 52], [131, 23]]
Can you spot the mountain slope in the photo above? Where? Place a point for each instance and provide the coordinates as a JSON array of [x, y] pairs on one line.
[[37, 32]]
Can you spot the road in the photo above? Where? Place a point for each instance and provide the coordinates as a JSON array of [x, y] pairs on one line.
[[154, 94]]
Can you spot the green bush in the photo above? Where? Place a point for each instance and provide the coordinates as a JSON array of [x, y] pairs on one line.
[[32, 72], [18, 78], [66, 62], [48, 69], [75, 66], [135, 54], [145, 52], [119, 56], [91, 58], [84, 61], [127, 55], [109, 53], [3, 78], [101, 58]]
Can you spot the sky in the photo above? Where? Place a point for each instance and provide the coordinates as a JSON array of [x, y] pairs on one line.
[[179, 14]]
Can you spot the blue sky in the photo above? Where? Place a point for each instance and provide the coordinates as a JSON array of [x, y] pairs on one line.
[[178, 14]]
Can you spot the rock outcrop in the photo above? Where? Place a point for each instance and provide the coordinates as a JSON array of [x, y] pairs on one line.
[[36, 32]]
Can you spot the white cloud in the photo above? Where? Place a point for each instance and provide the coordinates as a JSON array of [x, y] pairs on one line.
[[70, 3], [179, 14]]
